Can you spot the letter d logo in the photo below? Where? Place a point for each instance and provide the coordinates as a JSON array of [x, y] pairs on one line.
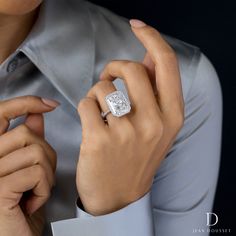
[[209, 214]]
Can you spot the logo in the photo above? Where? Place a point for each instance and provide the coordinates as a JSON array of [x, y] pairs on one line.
[[212, 219]]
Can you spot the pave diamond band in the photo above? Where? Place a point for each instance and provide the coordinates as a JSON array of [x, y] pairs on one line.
[[118, 104]]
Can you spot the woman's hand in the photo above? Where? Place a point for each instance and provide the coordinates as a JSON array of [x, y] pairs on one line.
[[119, 159], [27, 166]]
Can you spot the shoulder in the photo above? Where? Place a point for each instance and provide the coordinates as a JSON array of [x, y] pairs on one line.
[[115, 40]]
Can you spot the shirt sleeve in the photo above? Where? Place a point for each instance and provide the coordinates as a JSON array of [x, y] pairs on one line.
[[184, 187], [135, 219]]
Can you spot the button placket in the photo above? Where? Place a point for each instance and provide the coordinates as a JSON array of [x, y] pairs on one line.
[[12, 65]]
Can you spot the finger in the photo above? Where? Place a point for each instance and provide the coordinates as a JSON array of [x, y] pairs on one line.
[[26, 157], [32, 178], [12, 108], [36, 123], [137, 82], [90, 115], [99, 92], [21, 137], [166, 65], [150, 66]]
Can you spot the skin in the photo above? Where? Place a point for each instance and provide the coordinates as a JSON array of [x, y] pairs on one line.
[[109, 175], [16, 21], [27, 164]]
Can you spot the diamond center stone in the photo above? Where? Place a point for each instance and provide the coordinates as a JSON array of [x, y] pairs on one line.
[[118, 104]]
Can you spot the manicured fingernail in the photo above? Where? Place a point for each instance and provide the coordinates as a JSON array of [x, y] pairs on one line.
[[137, 23], [51, 103]]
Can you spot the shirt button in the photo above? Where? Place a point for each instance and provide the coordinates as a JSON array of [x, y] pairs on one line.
[[12, 65]]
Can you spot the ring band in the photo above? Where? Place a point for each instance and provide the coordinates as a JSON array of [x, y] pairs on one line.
[[118, 104], [104, 114]]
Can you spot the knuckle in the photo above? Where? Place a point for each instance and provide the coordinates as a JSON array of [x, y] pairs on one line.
[[7, 198], [152, 32], [153, 131], [39, 172], [169, 55], [110, 64], [103, 85], [83, 104], [47, 193], [24, 131], [132, 67], [37, 152], [30, 98], [176, 122]]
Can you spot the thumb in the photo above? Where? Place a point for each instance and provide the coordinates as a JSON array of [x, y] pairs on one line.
[[36, 123]]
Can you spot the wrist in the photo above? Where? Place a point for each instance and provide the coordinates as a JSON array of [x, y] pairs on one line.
[[98, 207], [103, 207]]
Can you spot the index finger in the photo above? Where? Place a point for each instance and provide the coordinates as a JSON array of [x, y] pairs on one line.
[[13, 108], [166, 64], [152, 40]]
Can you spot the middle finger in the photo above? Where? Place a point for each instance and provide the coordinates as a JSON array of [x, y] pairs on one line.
[[21, 137], [137, 83]]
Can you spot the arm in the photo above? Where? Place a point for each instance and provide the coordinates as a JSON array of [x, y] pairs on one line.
[[184, 187]]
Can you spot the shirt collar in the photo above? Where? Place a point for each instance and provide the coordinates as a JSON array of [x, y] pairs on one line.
[[62, 46]]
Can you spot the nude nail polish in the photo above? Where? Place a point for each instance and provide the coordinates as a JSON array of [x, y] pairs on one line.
[[50, 102], [137, 23]]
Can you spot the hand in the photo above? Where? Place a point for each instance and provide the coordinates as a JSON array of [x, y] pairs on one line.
[[27, 165], [119, 159]]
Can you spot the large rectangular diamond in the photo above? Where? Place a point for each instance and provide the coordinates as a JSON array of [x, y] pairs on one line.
[[118, 104]]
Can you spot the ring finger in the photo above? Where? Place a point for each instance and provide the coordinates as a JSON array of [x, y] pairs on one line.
[[99, 92], [137, 83]]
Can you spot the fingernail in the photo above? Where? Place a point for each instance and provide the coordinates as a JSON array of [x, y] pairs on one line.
[[137, 23], [51, 103]]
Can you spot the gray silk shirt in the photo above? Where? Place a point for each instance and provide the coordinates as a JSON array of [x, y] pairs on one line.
[[61, 59]]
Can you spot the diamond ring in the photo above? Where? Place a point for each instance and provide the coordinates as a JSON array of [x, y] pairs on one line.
[[118, 104], [104, 114]]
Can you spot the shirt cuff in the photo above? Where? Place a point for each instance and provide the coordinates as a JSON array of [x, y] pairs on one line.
[[135, 219]]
